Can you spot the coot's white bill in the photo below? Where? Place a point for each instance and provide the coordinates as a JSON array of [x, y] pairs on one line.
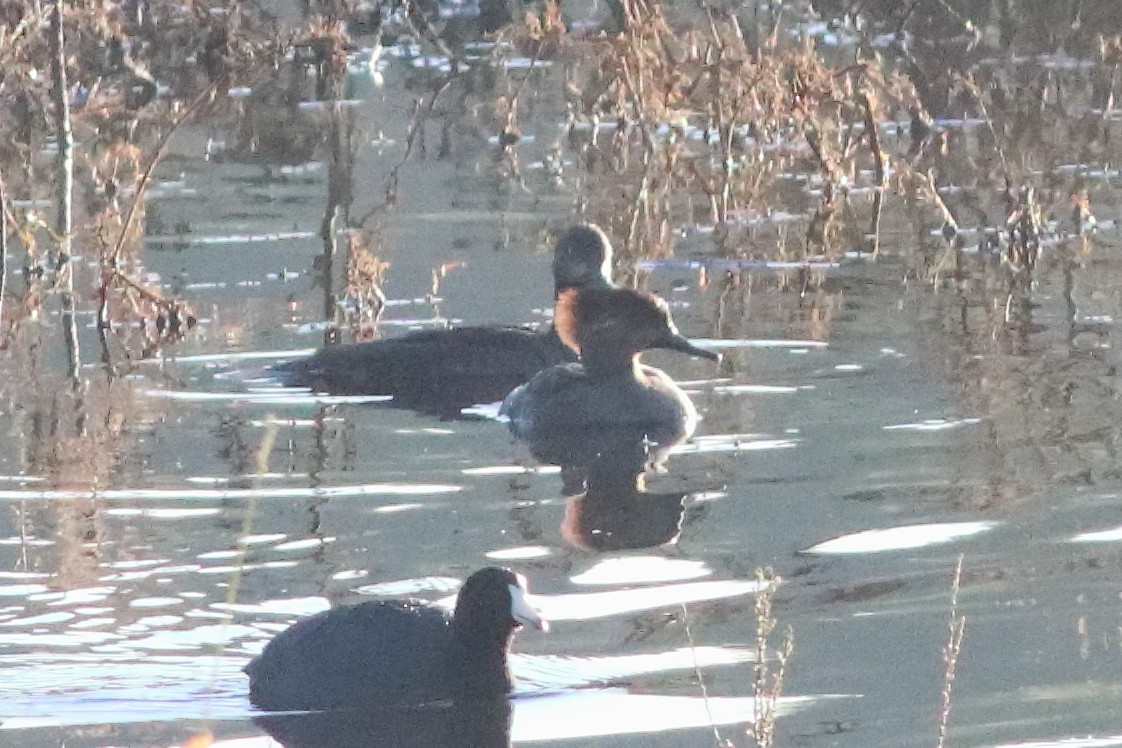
[[523, 612]]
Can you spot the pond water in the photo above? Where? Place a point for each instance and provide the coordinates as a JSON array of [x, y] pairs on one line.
[[859, 438]]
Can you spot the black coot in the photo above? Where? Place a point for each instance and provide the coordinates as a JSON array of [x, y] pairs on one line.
[[400, 652], [440, 372]]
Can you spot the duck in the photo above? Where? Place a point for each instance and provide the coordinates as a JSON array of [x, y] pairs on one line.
[[441, 372], [397, 652], [609, 388]]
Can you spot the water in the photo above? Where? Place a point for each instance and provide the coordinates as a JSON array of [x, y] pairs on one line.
[[859, 438]]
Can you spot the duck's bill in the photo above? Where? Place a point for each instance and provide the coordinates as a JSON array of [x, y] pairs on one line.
[[680, 344], [523, 612]]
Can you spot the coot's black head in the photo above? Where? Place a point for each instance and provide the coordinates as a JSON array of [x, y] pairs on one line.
[[594, 321], [492, 604], [582, 258]]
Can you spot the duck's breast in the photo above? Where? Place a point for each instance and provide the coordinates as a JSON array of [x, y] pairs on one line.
[[566, 398]]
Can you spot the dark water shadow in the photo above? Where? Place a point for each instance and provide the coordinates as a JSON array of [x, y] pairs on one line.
[[479, 724]]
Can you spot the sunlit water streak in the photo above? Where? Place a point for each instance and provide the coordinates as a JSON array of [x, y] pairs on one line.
[[752, 343], [735, 264], [202, 358], [590, 714], [512, 470], [934, 424], [194, 240], [732, 443], [1112, 535], [641, 570], [583, 606], [221, 494], [84, 689], [277, 397], [899, 538], [1087, 742], [520, 553], [616, 712]]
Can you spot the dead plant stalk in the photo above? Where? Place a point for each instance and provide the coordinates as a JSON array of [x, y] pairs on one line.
[[64, 189], [951, 651]]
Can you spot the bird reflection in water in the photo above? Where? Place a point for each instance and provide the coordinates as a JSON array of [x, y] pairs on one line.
[[483, 723], [608, 508]]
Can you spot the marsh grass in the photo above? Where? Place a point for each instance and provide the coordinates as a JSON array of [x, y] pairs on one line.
[[89, 132], [697, 122], [772, 654]]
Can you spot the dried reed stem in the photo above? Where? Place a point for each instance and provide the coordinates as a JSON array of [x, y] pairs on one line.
[[700, 678], [3, 249], [416, 122], [64, 189], [146, 175], [879, 171], [951, 651], [769, 682]]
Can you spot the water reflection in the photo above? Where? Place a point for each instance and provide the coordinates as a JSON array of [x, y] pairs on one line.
[[479, 724], [614, 511]]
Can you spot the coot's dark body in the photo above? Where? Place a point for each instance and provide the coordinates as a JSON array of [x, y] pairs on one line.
[[386, 653], [328, 661]]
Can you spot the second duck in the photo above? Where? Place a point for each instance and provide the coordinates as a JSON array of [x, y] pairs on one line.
[[442, 371]]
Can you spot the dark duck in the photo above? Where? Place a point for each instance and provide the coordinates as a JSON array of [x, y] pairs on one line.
[[440, 372], [609, 389], [390, 653]]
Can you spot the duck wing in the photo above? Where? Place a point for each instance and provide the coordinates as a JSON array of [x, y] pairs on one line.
[[548, 397]]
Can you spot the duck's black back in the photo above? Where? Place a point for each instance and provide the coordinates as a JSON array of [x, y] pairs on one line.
[[432, 371], [376, 653]]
